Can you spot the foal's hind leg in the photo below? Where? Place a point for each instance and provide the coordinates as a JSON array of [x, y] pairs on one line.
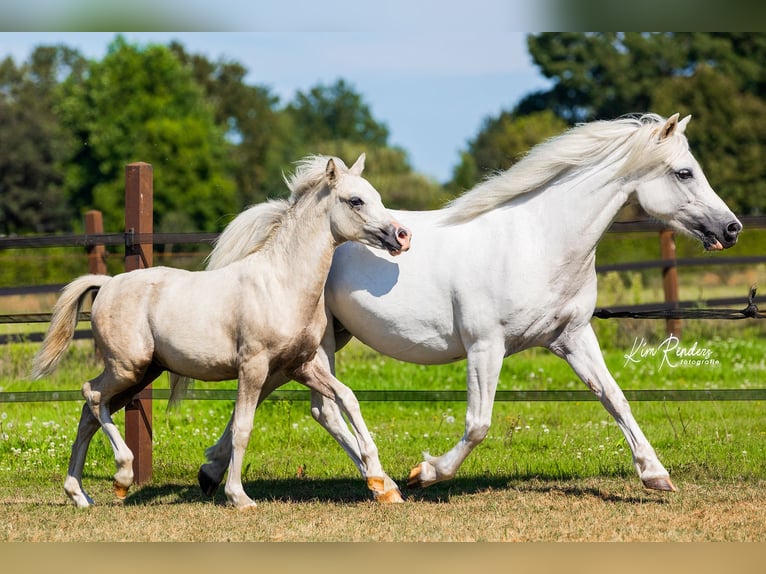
[[106, 395]]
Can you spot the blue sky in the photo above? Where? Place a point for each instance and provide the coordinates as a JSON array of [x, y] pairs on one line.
[[432, 87]]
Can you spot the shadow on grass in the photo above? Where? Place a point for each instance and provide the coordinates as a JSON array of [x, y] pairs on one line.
[[354, 491]]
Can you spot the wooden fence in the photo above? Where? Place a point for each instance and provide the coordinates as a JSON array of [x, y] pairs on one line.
[[138, 240]]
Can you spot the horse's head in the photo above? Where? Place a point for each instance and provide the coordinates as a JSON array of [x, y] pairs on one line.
[[357, 212], [678, 193]]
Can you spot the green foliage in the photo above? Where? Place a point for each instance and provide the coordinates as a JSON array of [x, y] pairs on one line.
[[32, 143], [501, 142], [141, 104], [717, 77], [326, 113]]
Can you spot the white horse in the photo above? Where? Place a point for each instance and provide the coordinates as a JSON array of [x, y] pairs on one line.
[[260, 320], [510, 265]]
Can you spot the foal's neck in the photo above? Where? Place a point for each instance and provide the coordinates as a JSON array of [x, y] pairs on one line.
[[303, 245]]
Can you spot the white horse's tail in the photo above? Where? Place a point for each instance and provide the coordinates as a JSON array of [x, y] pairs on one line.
[[178, 387], [63, 323]]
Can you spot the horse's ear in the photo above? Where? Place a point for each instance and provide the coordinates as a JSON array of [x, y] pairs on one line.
[[331, 171], [683, 123], [669, 128], [358, 166]]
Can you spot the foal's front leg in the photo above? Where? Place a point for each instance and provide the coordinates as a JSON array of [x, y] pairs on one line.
[[252, 376]]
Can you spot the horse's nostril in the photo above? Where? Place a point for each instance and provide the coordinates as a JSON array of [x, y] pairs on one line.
[[734, 227]]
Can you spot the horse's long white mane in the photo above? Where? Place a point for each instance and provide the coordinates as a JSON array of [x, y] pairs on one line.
[[632, 140], [252, 229]]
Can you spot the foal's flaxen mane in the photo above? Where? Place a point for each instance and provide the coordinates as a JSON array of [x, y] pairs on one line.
[[632, 139], [248, 235]]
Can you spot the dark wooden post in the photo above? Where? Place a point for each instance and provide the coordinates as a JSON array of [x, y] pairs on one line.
[[670, 278], [94, 225], [139, 201]]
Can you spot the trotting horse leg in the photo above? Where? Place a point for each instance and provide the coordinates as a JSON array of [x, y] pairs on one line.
[[581, 350], [105, 395], [86, 429], [324, 410], [252, 375], [315, 375], [211, 473], [327, 412], [485, 359]]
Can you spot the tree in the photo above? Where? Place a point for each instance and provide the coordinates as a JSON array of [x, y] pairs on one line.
[[259, 134], [727, 134], [717, 77], [142, 104], [335, 112], [501, 142], [335, 120], [33, 145]]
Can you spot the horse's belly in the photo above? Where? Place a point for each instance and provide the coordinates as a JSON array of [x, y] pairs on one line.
[[398, 331]]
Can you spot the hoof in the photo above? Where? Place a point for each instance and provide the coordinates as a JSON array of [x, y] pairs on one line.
[[378, 487], [414, 480], [208, 486], [660, 483], [393, 496], [120, 491]]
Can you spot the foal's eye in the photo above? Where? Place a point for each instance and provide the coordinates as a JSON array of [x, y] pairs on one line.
[[684, 174], [356, 202]]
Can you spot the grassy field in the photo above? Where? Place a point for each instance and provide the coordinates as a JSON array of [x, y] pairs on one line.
[[547, 470]]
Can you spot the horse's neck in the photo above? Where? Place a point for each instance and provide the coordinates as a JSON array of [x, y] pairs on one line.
[[302, 248], [576, 213]]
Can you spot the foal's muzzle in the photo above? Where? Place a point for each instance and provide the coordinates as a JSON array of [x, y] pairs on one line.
[[397, 239]]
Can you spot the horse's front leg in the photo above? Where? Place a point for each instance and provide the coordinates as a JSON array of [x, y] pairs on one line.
[[581, 350], [315, 375], [485, 359], [252, 376]]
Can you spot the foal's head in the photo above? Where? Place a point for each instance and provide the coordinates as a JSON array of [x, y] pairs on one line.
[[357, 212]]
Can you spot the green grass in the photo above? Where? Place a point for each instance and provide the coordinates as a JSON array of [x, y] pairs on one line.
[[528, 439], [562, 466]]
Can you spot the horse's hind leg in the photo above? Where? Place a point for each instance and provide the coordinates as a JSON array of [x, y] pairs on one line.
[[87, 427], [318, 378]]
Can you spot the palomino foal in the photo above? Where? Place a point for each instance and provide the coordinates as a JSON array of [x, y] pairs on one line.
[[259, 320]]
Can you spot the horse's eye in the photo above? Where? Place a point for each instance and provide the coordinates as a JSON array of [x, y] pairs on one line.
[[684, 174], [356, 202]]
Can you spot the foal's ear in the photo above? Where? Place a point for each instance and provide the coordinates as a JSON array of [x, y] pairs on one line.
[[683, 123], [669, 128], [358, 166], [331, 171]]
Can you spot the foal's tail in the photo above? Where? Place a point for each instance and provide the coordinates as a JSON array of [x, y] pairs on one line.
[[63, 323]]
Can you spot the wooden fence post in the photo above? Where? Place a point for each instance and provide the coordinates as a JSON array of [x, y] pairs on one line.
[[139, 189], [670, 278], [94, 225]]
